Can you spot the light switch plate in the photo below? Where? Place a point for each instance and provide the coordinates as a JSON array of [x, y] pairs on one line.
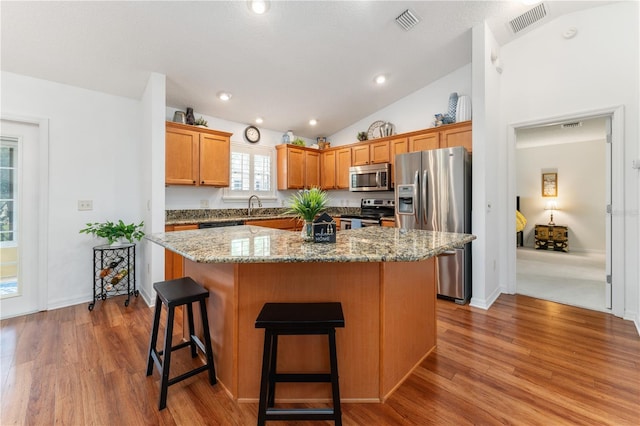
[[84, 205]]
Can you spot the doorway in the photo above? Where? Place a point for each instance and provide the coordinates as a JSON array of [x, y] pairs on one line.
[[23, 199], [577, 155]]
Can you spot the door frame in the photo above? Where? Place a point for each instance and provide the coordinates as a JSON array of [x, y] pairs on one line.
[[43, 205], [616, 237]]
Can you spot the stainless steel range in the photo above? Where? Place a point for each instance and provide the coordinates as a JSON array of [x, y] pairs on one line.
[[371, 211]]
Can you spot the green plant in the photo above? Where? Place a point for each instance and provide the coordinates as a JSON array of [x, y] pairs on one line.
[[362, 136], [308, 203], [113, 231], [201, 122], [298, 142]]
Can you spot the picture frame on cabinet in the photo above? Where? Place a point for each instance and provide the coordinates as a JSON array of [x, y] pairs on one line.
[[549, 184]]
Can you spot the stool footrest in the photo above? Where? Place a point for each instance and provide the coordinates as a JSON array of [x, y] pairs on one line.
[[300, 414], [188, 374], [303, 377]]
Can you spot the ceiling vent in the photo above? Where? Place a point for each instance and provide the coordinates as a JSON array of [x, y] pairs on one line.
[[571, 125], [528, 18], [407, 20]]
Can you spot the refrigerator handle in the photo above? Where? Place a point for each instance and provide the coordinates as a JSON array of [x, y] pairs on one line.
[[416, 183], [424, 197]]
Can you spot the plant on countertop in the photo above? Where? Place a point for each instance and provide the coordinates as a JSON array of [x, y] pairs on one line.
[[114, 231], [201, 122], [308, 203]]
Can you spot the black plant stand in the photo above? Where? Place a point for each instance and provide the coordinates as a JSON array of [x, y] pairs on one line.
[[114, 272]]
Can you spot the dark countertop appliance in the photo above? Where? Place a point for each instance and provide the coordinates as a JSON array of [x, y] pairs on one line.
[[372, 210]]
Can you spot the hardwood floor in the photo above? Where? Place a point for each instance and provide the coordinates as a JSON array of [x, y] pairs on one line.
[[525, 361]]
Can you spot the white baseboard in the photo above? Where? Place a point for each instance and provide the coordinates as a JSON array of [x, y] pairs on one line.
[[487, 302]]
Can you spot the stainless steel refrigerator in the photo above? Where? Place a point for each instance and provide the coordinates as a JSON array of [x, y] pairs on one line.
[[433, 192]]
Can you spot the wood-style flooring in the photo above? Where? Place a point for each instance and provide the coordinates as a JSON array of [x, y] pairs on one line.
[[524, 362]]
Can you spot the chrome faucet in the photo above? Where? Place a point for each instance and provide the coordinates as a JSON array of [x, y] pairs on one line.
[[251, 203]]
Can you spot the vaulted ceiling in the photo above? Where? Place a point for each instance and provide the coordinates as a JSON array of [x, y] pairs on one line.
[[300, 60]]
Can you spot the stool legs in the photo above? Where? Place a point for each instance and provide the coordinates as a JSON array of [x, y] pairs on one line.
[[166, 359], [335, 388], [265, 381], [207, 343], [154, 334]]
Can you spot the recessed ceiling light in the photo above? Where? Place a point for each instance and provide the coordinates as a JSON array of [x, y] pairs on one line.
[[313, 121], [380, 79], [259, 120], [258, 6], [224, 96]]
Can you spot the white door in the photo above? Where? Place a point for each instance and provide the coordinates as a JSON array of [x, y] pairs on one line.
[[20, 288]]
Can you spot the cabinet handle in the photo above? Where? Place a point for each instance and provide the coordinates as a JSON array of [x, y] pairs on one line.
[[202, 183], [194, 181]]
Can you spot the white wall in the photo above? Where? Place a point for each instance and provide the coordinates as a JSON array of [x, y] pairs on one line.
[[93, 155], [413, 112], [581, 191], [546, 76]]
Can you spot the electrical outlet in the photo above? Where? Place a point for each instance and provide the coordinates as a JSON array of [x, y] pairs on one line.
[[84, 205], [204, 204]]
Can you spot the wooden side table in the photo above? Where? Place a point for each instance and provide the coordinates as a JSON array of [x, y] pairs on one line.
[[552, 237]]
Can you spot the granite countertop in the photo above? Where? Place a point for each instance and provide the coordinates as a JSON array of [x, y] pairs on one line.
[[184, 217], [255, 244]]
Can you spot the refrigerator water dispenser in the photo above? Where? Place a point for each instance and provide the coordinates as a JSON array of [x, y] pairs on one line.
[[406, 202]]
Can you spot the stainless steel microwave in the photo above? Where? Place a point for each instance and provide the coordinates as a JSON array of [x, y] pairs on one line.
[[372, 177]]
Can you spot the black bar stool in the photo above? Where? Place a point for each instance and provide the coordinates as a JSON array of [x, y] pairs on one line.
[[182, 291], [297, 319]]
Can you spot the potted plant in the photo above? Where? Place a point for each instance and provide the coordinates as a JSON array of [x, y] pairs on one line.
[[201, 122], [115, 231], [307, 205]]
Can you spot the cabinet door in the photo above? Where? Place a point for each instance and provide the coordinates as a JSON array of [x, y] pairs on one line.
[[542, 232], [328, 170], [311, 169], [181, 157], [379, 152], [397, 146], [360, 155], [559, 233], [423, 142], [458, 136], [343, 162], [214, 160], [295, 168]]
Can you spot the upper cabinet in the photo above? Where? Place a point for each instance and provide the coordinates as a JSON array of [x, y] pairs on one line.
[[370, 153], [298, 167], [328, 169], [196, 156], [343, 162], [447, 136]]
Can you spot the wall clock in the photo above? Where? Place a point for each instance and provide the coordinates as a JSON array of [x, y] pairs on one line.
[[252, 134]]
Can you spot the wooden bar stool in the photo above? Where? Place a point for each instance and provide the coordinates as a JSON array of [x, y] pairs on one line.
[[297, 319], [178, 292]]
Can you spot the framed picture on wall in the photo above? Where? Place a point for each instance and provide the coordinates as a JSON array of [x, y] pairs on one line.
[[549, 184]]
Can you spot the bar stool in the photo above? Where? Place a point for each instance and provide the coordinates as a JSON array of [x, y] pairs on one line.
[[178, 292], [297, 319]]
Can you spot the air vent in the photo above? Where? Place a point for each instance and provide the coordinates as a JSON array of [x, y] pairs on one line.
[[407, 20], [571, 125], [531, 17]]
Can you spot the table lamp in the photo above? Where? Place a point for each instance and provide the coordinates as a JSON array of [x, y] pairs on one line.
[[551, 205]]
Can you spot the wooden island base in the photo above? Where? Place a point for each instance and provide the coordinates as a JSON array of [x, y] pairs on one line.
[[390, 324]]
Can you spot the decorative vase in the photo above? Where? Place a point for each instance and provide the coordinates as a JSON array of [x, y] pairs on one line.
[[286, 139], [307, 231], [463, 109], [191, 119], [451, 112]]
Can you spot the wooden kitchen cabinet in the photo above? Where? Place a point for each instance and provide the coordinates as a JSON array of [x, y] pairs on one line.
[[424, 141], [379, 152], [298, 167], [343, 162], [173, 262], [311, 169], [286, 223], [328, 169], [397, 146], [360, 155], [196, 156], [458, 134]]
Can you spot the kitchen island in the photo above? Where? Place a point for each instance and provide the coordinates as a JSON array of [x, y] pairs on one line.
[[384, 278]]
